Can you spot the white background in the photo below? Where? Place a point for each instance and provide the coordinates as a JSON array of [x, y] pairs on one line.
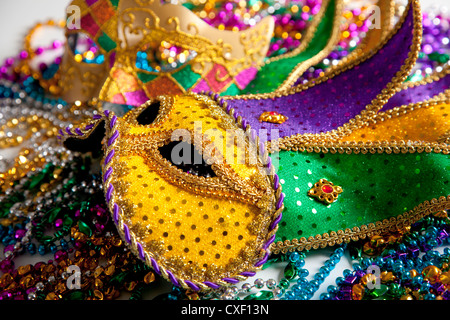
[[18, 16]]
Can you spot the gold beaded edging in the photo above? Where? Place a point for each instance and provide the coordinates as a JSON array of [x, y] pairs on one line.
[[357, 233], [434, 77]]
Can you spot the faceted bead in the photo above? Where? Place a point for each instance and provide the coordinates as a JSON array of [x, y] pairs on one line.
[[98, 295], [26, 281], [378, 292], [358, 291], [368, 278], [149, 277], [6, 265], [290, 271], [284, 283], [387, 276], [261, 295], [52, 296], [271, 283], [23, 270], [259, 283], [6, 280], [445, 277], [294, 256]]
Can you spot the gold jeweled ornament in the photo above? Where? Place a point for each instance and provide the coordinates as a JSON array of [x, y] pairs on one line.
[[325, 191], [199, 224], [273, 117]]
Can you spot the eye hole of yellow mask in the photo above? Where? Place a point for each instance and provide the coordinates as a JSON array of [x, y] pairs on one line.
[[200, 224]]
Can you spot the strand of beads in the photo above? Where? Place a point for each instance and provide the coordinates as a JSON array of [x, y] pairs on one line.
[[293, 286], [410, 270], [304, 289], [46, 198]]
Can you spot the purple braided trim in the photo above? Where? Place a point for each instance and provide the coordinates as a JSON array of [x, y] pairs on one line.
[[113, 121], [280, 201], [126, 232], [192, 285], [211, 284], [269, 242], [113, 138], [109, 192], [69, 132], [141, 251], [107, 174], [263, 260], [155, 266], [172, 278], [248, 273], [231, 280], [276, 181], [116, 213], [109, 156], [275, 222], [77, 130]]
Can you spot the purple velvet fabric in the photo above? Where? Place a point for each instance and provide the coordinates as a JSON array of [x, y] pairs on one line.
[[329, 105], [419, 93]]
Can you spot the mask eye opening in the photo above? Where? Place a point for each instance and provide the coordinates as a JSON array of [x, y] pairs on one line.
[[149, 114], [185, 157], [84, 49], [91, 143]]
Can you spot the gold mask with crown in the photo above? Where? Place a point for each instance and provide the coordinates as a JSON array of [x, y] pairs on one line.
[[121, 53]]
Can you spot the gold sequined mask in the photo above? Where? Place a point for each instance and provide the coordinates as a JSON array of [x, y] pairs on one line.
[[128, 51], [187, 188]]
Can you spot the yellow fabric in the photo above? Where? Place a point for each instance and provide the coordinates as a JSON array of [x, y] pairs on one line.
[[423, 124]]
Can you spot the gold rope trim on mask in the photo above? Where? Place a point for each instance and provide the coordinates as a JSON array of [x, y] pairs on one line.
[[373, 147], [433, 77], [356, 233]]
